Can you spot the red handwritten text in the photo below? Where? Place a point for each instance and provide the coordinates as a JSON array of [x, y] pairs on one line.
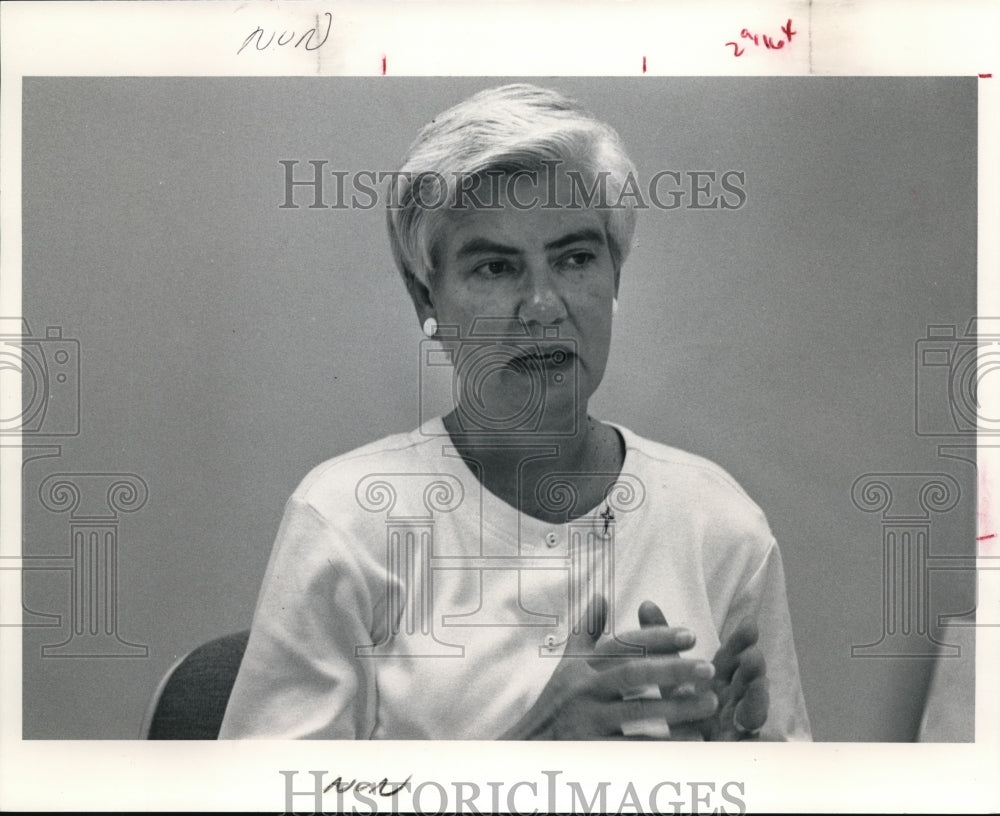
[[768, 42]]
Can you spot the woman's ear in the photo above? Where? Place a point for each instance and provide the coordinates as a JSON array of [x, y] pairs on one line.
[[420, 294]]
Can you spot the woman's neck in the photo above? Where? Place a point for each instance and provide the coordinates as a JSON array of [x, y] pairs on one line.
[[513, 466]]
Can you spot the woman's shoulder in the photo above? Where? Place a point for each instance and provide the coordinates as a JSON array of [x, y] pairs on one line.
[[345, 477], [690, 478]]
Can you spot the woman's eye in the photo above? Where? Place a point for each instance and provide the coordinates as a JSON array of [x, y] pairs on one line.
[[492, 269], [577, 260]]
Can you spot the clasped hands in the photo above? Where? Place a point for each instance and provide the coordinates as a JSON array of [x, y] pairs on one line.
[[597, 694]]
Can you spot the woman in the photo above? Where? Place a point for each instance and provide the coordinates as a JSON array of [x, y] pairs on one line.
[[509, 570]]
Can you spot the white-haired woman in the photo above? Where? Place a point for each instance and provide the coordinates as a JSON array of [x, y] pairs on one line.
[[508, 571]]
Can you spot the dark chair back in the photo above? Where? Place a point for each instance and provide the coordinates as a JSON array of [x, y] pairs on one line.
[[191, 699]]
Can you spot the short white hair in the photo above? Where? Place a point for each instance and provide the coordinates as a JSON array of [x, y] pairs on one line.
[[508, 129]]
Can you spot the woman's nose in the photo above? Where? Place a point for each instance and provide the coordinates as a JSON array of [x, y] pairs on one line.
[[541, 301]]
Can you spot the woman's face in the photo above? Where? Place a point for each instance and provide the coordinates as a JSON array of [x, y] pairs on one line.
[[544, 281]]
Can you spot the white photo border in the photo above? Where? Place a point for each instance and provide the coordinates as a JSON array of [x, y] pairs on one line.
[[202, 39]]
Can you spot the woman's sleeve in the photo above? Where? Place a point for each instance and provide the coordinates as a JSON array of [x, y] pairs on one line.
[[300, 676], [763, 597]]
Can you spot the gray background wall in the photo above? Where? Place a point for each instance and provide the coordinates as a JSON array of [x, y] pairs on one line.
[[228, 345]]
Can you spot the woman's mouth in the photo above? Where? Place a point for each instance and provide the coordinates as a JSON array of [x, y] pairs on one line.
[[549, 357]]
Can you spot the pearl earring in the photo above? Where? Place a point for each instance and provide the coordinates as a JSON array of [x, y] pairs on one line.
[[614, 306], [430, 326]]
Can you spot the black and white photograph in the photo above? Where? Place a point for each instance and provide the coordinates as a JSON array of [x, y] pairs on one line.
[[483, 407]]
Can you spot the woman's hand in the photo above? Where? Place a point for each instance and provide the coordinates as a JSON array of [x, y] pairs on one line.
[[741, 685], [591, 694], [740, 681]]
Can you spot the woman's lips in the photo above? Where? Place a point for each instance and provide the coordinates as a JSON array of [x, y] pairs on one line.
[[549, 357]]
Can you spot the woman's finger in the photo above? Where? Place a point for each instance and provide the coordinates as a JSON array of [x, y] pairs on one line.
[[655, 637], [751, 666], [751, 711], [651, 615], [654, 640], [728, 657], [667, 672]]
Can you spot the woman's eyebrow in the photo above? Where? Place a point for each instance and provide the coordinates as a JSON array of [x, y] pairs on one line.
[[579, 236], [477, 246]]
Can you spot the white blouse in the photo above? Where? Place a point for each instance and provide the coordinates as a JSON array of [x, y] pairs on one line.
[[405, 601]]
